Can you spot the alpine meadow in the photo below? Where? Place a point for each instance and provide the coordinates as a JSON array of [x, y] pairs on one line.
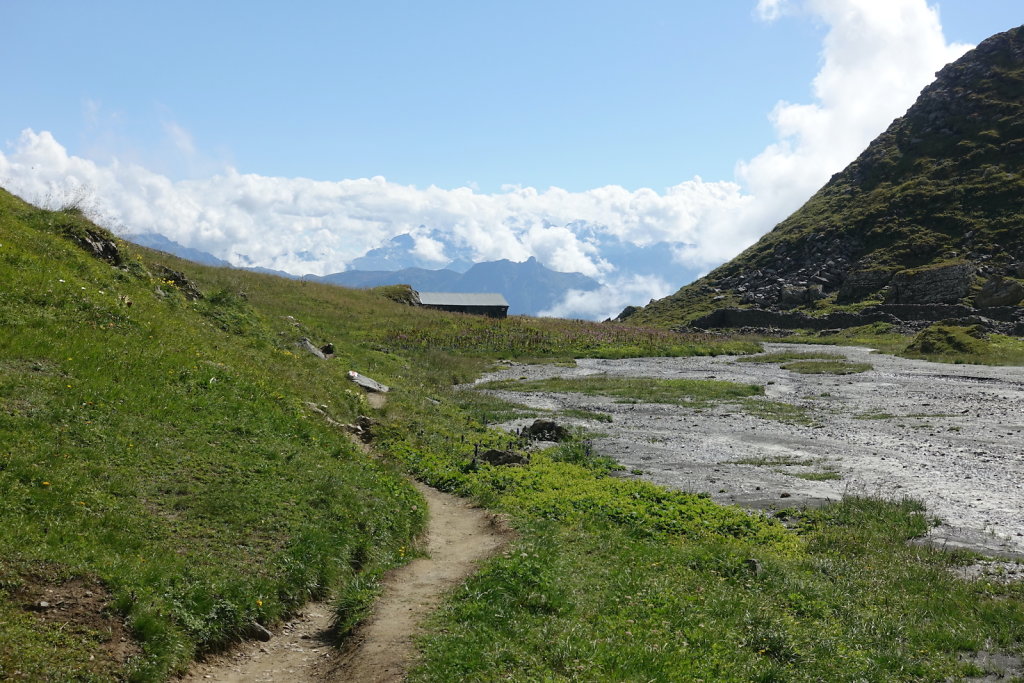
[[803, 466]]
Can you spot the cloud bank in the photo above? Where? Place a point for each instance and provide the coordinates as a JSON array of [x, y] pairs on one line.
[[876, 57], [307, 226], [611, 298]]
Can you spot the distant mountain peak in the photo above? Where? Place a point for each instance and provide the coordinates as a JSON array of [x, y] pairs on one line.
[[157, 241], [528, 286]]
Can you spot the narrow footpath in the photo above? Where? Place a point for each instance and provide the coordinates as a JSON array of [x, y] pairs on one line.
[[459, 537]]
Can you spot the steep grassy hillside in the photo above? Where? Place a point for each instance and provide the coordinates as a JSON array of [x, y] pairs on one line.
[[160, 449], [941, 187], [158, 452]]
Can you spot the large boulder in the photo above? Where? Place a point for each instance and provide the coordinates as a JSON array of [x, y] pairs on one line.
[[792, 296], [999, 292], [304, 343], [546, 430], [937, 284]]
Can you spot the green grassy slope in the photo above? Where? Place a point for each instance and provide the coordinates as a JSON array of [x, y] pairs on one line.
[[941, 184], [162, 457], [163, 449]]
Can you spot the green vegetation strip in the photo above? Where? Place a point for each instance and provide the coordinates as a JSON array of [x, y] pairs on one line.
[[547, 338], [693, 393], [783, 356], [810, 362], [601, 604], [826, 367], [677, 391], [937, 343], [586, 415], [953, 344], [778, 411]]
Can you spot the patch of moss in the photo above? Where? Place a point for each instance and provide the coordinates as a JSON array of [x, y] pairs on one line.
[[946, 340], [403, 294]]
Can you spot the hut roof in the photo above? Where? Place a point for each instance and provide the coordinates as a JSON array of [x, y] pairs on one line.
[[461, 299]]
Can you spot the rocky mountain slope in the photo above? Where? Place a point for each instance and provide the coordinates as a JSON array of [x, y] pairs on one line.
[[927, 223]]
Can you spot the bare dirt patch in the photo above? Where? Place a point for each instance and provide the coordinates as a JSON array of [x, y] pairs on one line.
[[458, 538], [78, 605], [949, 435]]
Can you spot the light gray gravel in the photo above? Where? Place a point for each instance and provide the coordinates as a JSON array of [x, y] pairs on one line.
[[955, 439]]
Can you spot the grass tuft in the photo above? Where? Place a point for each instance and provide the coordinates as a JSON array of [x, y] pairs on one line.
[[784, 356], [690, 392], [826, 367]]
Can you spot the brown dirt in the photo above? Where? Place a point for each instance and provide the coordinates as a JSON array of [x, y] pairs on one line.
[[458, 538], [80, 605]]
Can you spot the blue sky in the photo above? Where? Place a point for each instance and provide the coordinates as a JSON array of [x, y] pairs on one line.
[[225, 107], [572, 94]]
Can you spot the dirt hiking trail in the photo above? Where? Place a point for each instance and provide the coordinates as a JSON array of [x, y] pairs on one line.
[[458, 538]]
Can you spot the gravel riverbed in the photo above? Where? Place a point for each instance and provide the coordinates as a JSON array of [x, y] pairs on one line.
[[951, 436]]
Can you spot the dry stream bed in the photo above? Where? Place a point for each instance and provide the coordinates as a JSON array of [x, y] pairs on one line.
[[951, 436]]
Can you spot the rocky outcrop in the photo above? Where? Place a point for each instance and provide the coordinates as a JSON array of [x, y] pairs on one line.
[[999, 292], [99, 245], [792, 296], [796, 273], [861, 284], [1006, 319], [626, 312], [939, 284], [179, 281]]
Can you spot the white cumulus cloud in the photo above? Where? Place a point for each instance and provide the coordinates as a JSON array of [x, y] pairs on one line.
[[611, 298], [306, 226], [876, 57]]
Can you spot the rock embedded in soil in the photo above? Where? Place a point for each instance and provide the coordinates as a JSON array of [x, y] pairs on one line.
[[546, 430]]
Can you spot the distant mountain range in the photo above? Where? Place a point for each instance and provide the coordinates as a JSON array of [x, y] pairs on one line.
[[160, 243], [655, 259], [529, 287], [399, 253]]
